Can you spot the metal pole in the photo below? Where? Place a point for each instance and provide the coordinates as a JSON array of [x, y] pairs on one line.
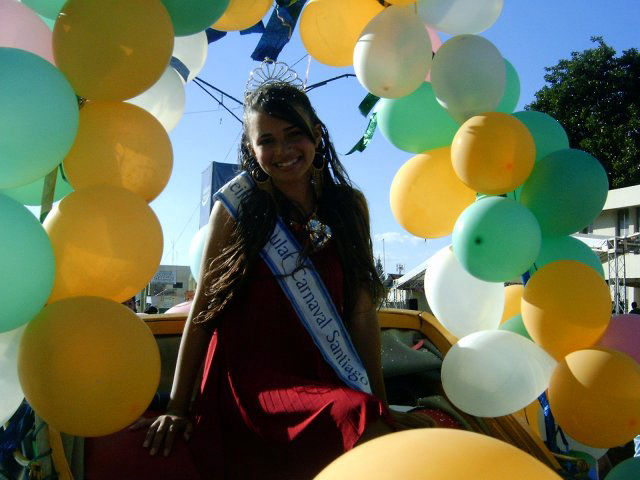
[[624, 274], [384, 257], [616, 282]]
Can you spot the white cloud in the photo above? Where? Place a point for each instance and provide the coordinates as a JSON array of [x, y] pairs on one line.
[[404, 249], [397, 238]]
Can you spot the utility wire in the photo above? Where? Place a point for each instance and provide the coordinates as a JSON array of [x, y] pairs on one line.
[[219, 91], [200, 82], [195, 80], [324, 82], [299, 60]]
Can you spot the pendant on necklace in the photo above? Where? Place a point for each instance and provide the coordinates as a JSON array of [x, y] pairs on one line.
[[319, 233]]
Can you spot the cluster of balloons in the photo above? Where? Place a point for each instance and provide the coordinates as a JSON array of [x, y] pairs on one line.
[[104, 71], [511, 191]]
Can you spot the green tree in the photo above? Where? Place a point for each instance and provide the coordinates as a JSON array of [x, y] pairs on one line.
[[379, 268], [596, 98]]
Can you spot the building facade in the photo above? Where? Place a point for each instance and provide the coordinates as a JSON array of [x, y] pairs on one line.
[[171, 285]]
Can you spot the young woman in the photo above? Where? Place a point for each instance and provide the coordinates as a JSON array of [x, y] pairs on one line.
[[284, 390]]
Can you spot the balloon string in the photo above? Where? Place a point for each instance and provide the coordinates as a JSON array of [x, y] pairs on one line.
[[550, 427], [549, 424]]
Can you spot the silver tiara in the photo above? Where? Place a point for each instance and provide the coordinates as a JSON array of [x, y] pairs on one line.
[[270, 72]]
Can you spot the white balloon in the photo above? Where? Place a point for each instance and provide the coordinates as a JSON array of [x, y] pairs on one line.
[[393, 54], [460, 16], [461, 302], [164, 100], [191, 50], [468, 76], [12, 395], [495, 372], [196, 250]]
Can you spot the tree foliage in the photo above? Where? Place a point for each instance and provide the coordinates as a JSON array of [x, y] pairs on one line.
[[596, 98], [379, 268]]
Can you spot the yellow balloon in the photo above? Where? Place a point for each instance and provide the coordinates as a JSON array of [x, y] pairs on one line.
[[427, 197], [122, 145], [512, 300], [530, 415], [112, 50], [493, 153], [330, 28], [452, 455], [566, 306], [88, 366], [107, 243], [242, 14], [595, 397]]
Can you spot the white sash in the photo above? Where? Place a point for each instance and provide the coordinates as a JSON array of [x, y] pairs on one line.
[[305, 290]]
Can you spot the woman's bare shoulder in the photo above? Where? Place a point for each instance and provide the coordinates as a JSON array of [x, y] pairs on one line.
[[221, 226]]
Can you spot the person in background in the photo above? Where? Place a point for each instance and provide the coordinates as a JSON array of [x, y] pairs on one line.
[[131, 303]]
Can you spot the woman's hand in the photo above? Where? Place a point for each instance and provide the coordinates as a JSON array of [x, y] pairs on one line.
[[163, 430], [409, 420]]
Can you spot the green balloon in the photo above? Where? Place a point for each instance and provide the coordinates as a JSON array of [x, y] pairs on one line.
[[26, 257], [31, 193], [516, 325], [566, 191], [48, 21], [548, 135], [511, 89], [553, 249], [628, 469], [193, 16], [38, 117], [496, 239], [591, 462], [417, 122], [46, 8]]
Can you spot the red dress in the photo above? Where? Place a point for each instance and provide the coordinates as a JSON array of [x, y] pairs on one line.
[[270, 406]]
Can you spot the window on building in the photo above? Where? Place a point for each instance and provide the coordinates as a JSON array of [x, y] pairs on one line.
[[637, 229], [622, 228]]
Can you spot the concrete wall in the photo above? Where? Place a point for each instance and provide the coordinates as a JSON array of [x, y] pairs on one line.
[[605, 224], [623, 197]]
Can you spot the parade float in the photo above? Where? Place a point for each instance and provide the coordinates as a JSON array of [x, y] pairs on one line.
[[88, 366]]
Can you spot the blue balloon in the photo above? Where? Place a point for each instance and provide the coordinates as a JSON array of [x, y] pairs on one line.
[[38, 118], [27, 260]]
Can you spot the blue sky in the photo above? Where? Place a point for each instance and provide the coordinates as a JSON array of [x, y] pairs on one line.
[[531, 35]]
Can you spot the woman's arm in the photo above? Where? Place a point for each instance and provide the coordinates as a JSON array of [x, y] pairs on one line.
[[193, 345], [365, 335], [195, 339]]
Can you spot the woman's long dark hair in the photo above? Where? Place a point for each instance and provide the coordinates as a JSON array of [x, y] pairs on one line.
[[339, 206]]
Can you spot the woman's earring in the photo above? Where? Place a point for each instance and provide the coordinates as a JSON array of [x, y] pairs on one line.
[[262, 179], [318, 172]]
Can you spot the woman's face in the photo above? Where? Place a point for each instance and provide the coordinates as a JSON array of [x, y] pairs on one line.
[[282, 149]]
